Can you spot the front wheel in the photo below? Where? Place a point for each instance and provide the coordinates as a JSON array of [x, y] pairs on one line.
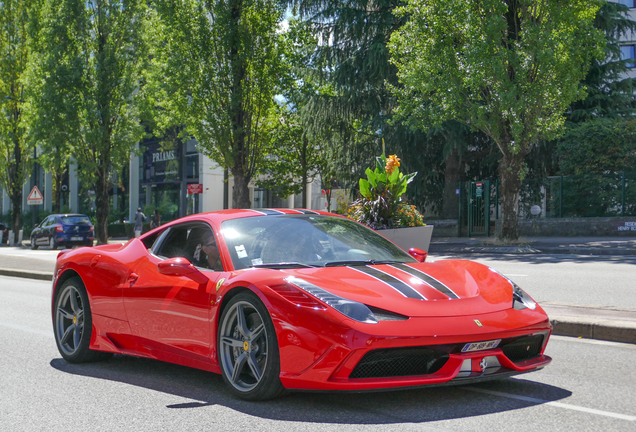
[[248, 349], [33, 245], [73, 323]]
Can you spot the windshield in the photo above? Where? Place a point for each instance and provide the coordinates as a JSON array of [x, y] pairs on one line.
[[74, 220], [307, 240]]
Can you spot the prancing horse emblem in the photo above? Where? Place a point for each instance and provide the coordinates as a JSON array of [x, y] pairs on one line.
[[478, 323], [483, 364]]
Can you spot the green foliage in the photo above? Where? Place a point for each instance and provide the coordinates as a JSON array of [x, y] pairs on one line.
[[609, 92], [598, 146], [507, 68], [216, 66], [379, 206], [86, 88], [14, 149]]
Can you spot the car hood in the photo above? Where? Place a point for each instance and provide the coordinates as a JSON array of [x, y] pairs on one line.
[[438, 288]]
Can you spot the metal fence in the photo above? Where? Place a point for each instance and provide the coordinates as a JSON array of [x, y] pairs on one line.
[[575, 196]]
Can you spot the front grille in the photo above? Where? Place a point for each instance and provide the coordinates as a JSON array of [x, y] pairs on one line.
[[524, 348], [397, 362]]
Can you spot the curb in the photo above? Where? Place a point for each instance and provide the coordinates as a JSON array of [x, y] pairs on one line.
[[441, 249], [27, 274], [607, 330]]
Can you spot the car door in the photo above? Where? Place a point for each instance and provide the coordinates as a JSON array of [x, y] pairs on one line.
[[50, 229], [172, 313], [40, 236]]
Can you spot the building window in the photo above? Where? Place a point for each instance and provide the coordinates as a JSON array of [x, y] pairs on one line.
[[627, 53], [628, 3]]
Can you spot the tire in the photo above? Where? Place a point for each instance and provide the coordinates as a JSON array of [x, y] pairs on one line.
[[73, 323], [53, 244], [33, 245], [248, 349]]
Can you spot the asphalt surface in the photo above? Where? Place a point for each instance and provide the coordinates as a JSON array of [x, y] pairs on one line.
[[587, 316], [587, 387]]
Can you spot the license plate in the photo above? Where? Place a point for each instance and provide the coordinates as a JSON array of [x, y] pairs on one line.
[[77, 238], [479, 346]]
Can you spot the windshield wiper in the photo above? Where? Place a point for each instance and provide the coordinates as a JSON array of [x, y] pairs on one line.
[[283, 265], [365, 262]]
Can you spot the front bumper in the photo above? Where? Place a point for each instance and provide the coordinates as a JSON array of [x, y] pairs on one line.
[[337, 368]]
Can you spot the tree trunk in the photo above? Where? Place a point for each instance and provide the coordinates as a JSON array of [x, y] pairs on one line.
[[450, 200], [16, 181], [510, 174], [16, 214], [102, 204], [303, 164], [241, 191]]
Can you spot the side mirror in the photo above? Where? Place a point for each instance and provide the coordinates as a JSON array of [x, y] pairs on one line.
[[181, 267], [418, 254], [35, 226]]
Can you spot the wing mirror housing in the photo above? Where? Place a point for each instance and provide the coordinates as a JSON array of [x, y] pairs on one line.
[[418, 254], [181, 267]]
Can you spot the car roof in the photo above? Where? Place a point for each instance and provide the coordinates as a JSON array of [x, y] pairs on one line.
[[69, 215], [220, 216]]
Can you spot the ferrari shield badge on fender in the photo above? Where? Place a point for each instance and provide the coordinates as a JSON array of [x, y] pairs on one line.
[[219, 283], [476, 321]]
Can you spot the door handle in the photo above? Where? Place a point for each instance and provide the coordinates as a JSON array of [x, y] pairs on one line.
[[132, 278]]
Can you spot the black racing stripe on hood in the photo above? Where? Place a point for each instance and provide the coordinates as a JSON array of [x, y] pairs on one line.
[[426, 278], [393, 282]]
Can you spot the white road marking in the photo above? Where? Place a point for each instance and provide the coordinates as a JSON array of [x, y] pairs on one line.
[[26, 329], [555, 404]]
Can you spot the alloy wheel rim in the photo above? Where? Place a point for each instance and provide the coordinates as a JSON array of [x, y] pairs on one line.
[[69, 320], [52, 243], [243, 346]]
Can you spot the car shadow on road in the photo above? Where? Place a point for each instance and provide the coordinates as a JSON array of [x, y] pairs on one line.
[[205, 389]]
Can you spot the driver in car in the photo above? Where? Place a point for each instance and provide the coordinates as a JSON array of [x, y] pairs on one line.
[[211, 251]]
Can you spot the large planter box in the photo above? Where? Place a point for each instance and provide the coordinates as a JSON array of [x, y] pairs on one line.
[[410, 237]]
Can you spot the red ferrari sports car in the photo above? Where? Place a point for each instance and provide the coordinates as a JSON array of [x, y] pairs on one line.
[[294, 299]]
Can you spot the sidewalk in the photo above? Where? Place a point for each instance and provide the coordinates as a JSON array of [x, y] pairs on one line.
[[536, 245], [604, 323]]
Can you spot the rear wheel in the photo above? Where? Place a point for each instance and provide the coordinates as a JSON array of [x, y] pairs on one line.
[[53, 243], [248, 349], [73, 323], [33, 245]]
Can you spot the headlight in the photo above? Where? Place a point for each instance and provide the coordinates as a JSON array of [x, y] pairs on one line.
[[520, 300], [350, 308]]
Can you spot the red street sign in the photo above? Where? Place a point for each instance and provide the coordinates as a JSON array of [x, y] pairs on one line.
[[479, 185], [195, 188], [35, 197]]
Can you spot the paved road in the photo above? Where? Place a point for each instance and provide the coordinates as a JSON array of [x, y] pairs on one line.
[[589, 386], [574, 279]]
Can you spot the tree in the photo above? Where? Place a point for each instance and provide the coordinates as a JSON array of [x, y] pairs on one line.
[[14, 150], [351, 64], [52, 119], [609, 92], [94, 55], [216, 70], [507, 68]]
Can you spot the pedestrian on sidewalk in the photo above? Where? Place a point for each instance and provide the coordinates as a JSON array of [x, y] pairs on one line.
[[155, 220], [140, 218]]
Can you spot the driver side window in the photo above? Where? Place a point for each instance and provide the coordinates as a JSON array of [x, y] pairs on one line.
[[193, 241]]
